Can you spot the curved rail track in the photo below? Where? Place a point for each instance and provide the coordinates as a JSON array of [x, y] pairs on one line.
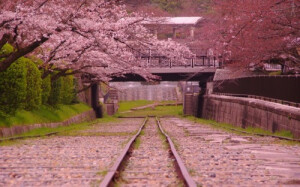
[[154, 159]]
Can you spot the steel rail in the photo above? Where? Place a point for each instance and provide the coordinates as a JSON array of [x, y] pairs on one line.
[[108, 179], [183, 170]]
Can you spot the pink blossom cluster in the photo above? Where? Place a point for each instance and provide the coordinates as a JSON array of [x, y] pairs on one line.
[[96, 37]]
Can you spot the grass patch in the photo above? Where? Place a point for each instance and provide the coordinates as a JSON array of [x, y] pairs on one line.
[[76, 133], [275, 73], [45, 130], [227, 127], [159, 111], [127, 105], [9, 143], [108, 119], [176, 145], [162, 137], [95, 183], [71, 130], [192, 172], [138, 142], [102, 173], [163, 140], [45, 114]]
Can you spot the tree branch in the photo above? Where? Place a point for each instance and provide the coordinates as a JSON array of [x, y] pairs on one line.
[[5, 38], [23, 51]]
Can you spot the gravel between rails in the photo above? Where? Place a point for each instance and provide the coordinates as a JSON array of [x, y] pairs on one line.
[[218, 158], [149, 163], [65, 160]]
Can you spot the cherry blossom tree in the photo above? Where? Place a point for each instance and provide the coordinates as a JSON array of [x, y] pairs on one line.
[[249, 32], [97, 38]]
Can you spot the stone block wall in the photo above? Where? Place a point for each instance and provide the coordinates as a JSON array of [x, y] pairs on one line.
[[248, 112]]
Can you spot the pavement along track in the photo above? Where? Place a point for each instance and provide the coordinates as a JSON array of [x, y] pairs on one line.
[[77, 158], [149, 159], [215, 157]]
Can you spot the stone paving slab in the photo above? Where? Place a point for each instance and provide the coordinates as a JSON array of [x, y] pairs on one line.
[[64, 160], [218, 158]]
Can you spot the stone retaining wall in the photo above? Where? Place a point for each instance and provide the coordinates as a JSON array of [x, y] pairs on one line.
[[245, 112], [11, 131]]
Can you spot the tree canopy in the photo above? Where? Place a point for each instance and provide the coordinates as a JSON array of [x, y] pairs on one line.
[[249, 32], [97, 38]]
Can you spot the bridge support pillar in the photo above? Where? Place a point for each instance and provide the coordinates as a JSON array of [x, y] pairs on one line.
[[190, 102], [95, 100], [201, 99]]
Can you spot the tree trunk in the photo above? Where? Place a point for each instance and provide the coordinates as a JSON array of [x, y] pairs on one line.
[[4, 40]]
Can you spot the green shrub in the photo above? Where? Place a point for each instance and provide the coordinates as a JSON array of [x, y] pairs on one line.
[[13, 87], [34, 83], [46, 89], [55, 93], [46, 82], [67, 90], [62, 91], [6, 49]]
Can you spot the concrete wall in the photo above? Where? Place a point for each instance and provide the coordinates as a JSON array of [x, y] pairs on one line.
[[245, 112], [132, 91], [11, 131]]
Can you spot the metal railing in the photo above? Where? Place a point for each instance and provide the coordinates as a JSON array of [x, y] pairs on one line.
[[198, 61], [199, 58]]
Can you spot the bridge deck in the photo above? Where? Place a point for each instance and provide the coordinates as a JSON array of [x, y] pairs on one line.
[[161, 70]]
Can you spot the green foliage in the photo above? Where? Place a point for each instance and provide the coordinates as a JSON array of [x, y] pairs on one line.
[[168, 5], [21, 86], [205, 5], [62, 91], [6, 49], [46, 89], [37, 61], [34, 82], [67, 90], [13, 88], [40, 132], [55, 93], [45, 114], [275, 73], [232, 128], [157, 111], [127, 105]]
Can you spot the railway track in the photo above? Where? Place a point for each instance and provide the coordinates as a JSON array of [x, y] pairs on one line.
[[140, 152], [149, 159], [81, 159], [215, 157]]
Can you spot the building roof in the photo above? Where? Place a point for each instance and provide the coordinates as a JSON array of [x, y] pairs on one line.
[[173, 21]]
